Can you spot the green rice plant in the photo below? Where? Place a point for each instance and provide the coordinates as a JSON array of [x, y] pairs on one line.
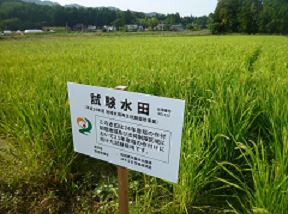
[[266, 190], [235, 89]]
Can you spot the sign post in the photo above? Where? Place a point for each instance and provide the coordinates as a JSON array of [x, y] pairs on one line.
[[123, 179], [131, 130], [123, 190]]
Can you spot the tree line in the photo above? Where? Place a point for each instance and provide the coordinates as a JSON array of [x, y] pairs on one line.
[[250, 16], [18, 15], [247, 16]]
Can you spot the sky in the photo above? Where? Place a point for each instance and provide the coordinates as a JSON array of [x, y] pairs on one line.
[[184, 7]]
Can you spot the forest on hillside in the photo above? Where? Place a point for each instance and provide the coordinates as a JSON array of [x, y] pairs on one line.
[[18, 15], [243, 16]]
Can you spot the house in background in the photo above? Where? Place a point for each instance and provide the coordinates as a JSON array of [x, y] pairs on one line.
[[160, 26], [33, 31], [91, 28], [132, 27], [55, 28], [176, 28], [111, 28], [7, 32], [79, 27]]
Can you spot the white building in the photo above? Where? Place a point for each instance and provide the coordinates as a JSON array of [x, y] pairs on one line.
[[132, 27], [111, 28], [33, 31], [91, 28], [7, 31], [160, 27]]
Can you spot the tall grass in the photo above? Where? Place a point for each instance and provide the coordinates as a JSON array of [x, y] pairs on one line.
[[233, 155]]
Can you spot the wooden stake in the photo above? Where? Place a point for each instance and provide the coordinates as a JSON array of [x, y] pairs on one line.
[[123, 179], [123, 190]]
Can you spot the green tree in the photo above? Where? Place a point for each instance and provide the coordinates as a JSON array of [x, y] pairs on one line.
[[250, 16], [127, 17], [190, 27], [117, 23]]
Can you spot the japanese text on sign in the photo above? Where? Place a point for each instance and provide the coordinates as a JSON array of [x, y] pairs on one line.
[[133, 130], [133, 138]]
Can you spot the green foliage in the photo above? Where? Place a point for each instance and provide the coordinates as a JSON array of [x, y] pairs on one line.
[[117, 23], [127, 17], [215, 28], [190, 27], [10, 23], [251, 16], [18, 15], [166, 27]]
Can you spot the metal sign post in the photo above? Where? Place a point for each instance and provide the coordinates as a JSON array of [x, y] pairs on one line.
[[123, 178]]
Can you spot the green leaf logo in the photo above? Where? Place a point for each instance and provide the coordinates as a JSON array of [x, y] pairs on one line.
[[85, 125]]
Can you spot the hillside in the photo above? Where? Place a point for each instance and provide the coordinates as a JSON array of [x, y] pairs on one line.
[[50, 3]]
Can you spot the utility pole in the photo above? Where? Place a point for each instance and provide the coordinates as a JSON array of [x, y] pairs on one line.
[[258, 13]]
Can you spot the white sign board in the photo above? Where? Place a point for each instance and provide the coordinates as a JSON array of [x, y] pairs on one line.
[[133, 130]]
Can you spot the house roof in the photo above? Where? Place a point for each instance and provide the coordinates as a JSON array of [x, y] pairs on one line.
[[160, 25]]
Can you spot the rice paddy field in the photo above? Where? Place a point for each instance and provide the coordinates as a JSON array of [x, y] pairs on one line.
[[234, 145]]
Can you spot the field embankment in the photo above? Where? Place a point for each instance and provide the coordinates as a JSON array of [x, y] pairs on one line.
[[80, 34]]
